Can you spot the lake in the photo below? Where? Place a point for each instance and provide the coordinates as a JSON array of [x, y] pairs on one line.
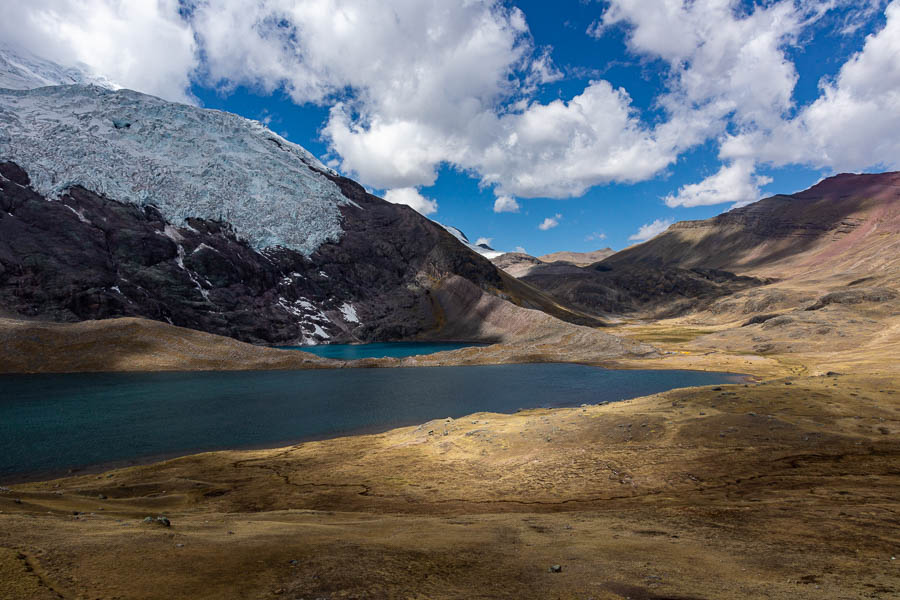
[[51, 423], [380, 349]]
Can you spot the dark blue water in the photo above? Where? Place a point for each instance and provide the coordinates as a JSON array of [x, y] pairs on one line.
[[50, 423], [379, 350]]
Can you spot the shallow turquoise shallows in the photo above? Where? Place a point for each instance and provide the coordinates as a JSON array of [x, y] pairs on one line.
[[379, 350], [51, 423]]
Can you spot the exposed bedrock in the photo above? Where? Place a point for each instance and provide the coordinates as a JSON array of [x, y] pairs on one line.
[[85, 256]]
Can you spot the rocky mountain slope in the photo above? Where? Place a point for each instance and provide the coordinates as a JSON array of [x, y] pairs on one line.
[[845, 228], [519, 264], [846, 223], [581, 259], [85, 256], [115, 203], [641, 289]]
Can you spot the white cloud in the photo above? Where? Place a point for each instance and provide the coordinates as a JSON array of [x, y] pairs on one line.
[[420, 83], [550, 222], [729, 67], [734, 183], [145, 46], [543, 70], [724, 61], [650, 230], [520, 249], [561, 149], [412, 85], [595, 237], [484, 240], [855, 122], [506, 204], [412, 198]]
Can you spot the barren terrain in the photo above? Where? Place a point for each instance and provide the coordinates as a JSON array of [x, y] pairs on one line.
[[786, 486]]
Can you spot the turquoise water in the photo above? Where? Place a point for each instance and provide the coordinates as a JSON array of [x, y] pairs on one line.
[[379, 350], [51, 423]]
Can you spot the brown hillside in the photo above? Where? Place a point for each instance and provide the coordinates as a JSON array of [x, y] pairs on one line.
[[844, 224]]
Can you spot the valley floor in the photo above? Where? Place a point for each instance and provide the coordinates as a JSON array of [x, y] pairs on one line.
[[784, 487]]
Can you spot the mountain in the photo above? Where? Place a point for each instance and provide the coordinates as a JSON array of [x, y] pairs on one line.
[[845, 227], [516, 264], [482, 249], [519, 264], [844, 224], [120, 204], [645, 289], [21, 70], [581, 259]]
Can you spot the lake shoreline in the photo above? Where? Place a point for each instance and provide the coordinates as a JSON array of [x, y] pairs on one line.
[[564, 398]]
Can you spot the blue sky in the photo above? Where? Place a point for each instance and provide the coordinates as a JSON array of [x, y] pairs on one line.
[[602, 120]]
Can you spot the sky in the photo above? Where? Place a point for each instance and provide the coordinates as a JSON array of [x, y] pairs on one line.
[[533, 126]]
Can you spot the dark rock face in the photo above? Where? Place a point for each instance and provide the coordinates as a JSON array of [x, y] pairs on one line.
[[89, 257]]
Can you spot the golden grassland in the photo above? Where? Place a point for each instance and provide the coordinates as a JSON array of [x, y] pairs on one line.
[[786, 486]]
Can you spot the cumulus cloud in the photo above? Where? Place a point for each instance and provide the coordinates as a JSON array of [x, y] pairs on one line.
[[855, 122], [731, 80], [412, 198], [735, 183], [550, 222], [520, 249], [562, 148], [411, 85], [724, 61], [484, 240], [506, 204], [650, 230], [146, 46], [421, 83]]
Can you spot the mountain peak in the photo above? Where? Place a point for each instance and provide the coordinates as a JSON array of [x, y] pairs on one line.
[[187, 161], [21, 70]]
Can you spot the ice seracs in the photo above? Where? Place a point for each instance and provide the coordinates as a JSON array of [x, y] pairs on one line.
[[187, 161]]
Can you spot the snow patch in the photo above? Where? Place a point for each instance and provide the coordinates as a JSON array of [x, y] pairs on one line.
[[179, 260], [320, 332], [203, 246], [459, 235], [172, 233], [349, 313], [79, 214], [310, 318]]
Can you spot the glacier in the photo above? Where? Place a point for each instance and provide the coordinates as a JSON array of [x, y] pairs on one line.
[[186, 161], [21, 70]]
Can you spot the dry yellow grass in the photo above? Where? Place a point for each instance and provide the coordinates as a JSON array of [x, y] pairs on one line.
[[786, 487]]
